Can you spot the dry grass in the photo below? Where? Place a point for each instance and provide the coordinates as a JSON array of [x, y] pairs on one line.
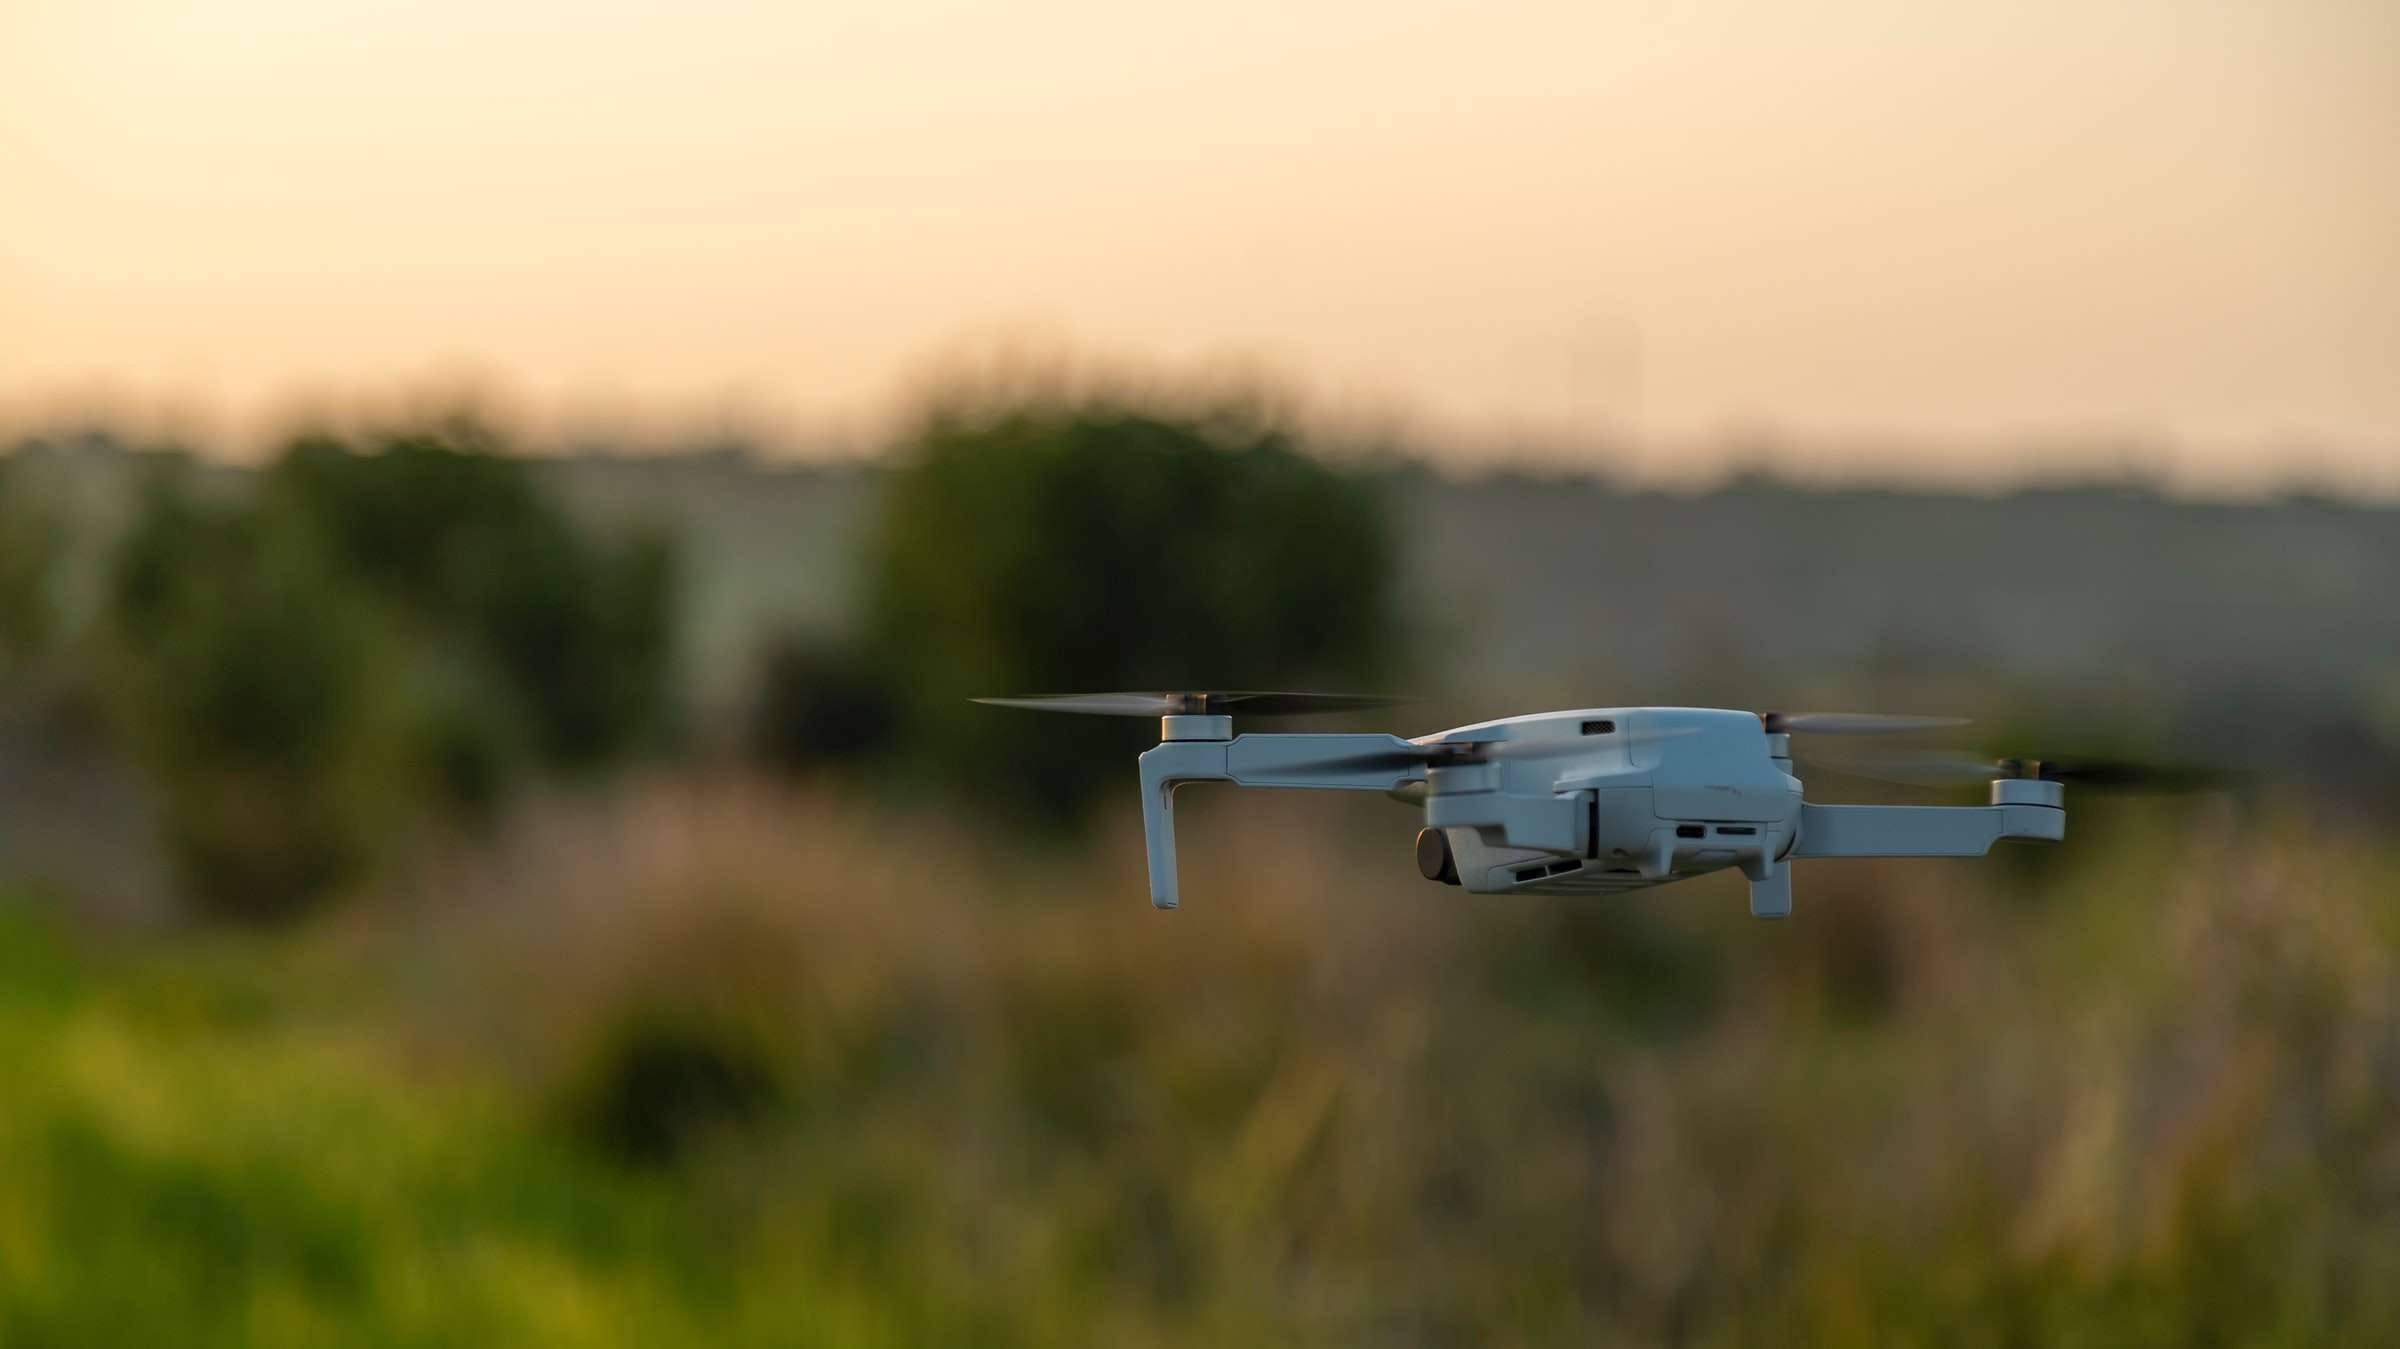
[[2141, 1093]]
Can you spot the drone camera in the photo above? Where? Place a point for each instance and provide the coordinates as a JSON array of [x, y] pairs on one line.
[[1434, 860]]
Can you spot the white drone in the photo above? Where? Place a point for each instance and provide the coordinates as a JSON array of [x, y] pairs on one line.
[[1599, 799]]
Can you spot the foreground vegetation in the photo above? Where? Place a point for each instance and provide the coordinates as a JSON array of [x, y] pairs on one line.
[[395, 949], [702, 1061]]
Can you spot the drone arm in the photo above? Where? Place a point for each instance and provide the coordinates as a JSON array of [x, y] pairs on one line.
[[1922, 831], [1336, 762]]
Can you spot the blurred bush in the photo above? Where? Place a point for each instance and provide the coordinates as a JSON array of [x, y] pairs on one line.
[[259, 697], [29, 537], [818, 704], [1055, 544], [886, 1082], [369, 641], [568, 633], [662, 1079]]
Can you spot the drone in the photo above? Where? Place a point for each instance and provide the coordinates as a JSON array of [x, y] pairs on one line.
[[1601, 800]]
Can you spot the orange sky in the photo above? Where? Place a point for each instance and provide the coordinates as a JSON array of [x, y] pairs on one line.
[[1849, 223]]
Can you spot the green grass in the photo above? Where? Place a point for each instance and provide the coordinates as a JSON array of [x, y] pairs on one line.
[[209, 1164], [990, 1098]]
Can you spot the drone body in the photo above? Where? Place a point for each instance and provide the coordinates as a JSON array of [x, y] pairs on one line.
[[1587, 801]]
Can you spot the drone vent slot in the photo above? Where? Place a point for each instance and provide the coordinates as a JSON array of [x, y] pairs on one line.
[[1599, 727], [1545, 872]]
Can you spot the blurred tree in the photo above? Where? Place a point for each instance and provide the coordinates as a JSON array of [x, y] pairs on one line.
[[1054, 545], [254, 691], [817, 704], [373, 639], [28, 546], [572, 631]]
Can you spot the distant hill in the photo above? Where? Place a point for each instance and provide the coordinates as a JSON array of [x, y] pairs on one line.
[[2272, 627], [2096, 602]]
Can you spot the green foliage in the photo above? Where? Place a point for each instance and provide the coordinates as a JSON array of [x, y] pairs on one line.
[[662, 1080], [442, 526], [1333, 1112], [818, 705], [188, 1178], [1068, 547], [29, 538], [258, 696], [370, 641]]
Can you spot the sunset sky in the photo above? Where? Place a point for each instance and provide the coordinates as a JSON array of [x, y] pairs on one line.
[[2013, 230]]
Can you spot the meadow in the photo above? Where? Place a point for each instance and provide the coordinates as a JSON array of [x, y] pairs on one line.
[[705, 1059], [415, 928]]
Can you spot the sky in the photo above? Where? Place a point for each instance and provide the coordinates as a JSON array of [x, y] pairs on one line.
[[1967, 240]]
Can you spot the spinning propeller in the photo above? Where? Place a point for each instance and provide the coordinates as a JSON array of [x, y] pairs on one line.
[[1200, 704], [1438, 754], [1190, 704], [1944, 768], [1852, 723], [1396, 758]]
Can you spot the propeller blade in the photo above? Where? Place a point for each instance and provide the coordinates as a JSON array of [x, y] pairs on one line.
[[1852, 723], [1297, 704], [1941, 768], [1095, 704], [2119, 775], [1199, 704], [1928, 768]]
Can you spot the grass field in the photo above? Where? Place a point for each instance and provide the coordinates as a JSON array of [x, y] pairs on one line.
[[699, 1060]]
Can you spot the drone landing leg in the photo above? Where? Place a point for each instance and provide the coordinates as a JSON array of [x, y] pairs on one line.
[[1771, 895], [1163, 770], [1160, 812]]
